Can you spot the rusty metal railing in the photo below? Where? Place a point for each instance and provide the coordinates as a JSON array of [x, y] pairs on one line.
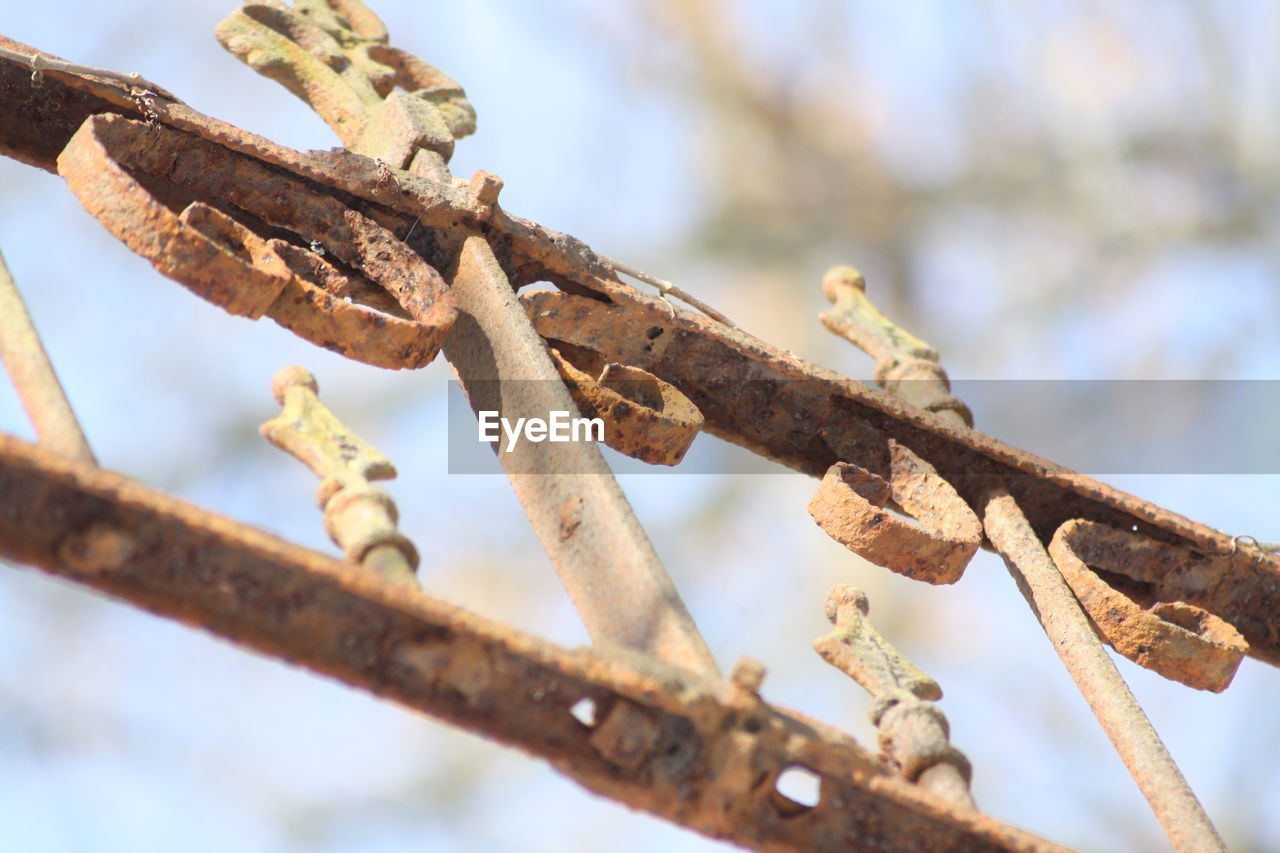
[[380, 254]]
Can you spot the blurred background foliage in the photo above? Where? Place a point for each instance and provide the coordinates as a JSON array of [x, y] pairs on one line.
[[1042, 190]]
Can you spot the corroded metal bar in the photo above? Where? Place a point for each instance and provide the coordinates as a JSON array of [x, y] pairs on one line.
[[34, 379], [703, 753], [808, 418], [579, 512], [1101, 684], [36, 122], [1044, 585], [751, 393], [217, 163]]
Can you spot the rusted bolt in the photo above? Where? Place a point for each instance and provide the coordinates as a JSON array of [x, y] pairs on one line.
[[626, 736], [100, 547]]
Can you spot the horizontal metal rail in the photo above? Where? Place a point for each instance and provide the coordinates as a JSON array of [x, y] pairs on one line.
[[704, 753]]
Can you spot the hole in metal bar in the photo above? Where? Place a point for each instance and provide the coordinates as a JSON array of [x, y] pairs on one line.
[[584, 711], [800, 787]]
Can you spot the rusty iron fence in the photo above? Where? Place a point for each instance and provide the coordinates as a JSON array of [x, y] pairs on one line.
[[378, 253]]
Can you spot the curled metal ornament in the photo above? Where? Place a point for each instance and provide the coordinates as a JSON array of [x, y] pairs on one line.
[[1178, 640], [850, 506], [644, 417], [133, 177]]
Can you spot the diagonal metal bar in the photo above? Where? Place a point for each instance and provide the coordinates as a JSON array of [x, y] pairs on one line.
[[530, 251], [34, 379], [701, 752], [1038, 577], [1095, 674], [202, 172], [576, 507]]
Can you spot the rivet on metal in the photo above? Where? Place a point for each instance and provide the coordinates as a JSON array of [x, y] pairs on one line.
[[626, 736], [485, 186], [100, 547]]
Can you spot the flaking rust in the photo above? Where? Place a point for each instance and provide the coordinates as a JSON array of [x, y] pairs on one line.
[[1059, 612], [838, 419], [36, 122]]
